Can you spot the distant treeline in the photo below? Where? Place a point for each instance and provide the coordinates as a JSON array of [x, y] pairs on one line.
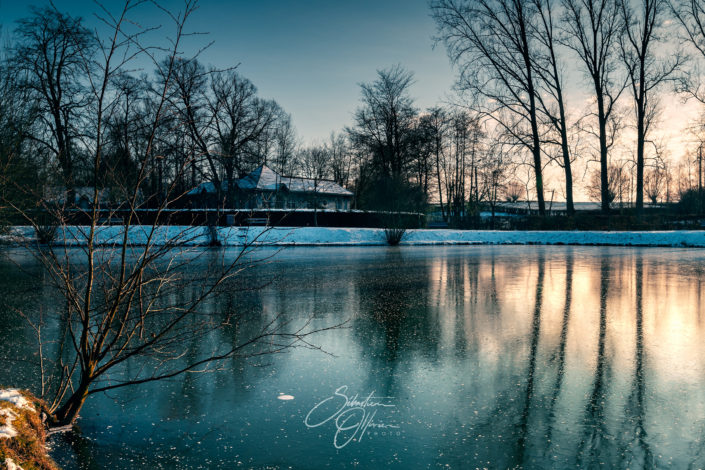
[[68, 122]]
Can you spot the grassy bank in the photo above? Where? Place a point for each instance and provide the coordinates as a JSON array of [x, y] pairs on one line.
[[22, 433]]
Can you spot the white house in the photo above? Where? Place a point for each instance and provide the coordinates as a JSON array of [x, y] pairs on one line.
[[264, 188]]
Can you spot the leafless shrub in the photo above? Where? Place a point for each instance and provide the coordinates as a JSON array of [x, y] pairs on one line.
[[394, 235]]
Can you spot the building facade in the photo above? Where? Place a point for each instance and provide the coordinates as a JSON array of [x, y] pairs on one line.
[[264, 188]]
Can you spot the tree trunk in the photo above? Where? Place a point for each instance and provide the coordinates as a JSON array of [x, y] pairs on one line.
[[536, 142], [230, 188], [604, 182], [640, 163], [68, 412], [640, 139], [438, 175], [570, 207]]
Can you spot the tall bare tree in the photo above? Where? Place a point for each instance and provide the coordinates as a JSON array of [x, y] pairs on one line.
[[385, 122], [315, 167], [285, 143], [593, 29], [239, 120], [51, 53], [22, 170], [436, 123], [549, 65], [490, 42], [643, 31], [690, 16], [188, 103], [341, 159]]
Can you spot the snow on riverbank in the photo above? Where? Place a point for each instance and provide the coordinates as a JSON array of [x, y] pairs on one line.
[[15, 397], [22, 432], [8, 415], [329, 236]]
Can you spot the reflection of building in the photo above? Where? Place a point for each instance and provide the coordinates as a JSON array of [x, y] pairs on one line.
[[264, 188]]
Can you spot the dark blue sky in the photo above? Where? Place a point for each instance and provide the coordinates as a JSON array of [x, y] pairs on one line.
[[308, 55]]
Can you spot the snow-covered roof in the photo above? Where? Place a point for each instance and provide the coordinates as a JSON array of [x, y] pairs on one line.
[[265, 179]]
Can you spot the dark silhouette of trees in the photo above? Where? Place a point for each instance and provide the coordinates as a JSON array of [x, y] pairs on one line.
[[315, 165], [125, 303], [239, 120], [643, 31], [490, 42], [341, 159], [435, 124], [549, 66], [690, 16], [52, 59], [384, 123], [285, 143], [593, 29], [384, 134]]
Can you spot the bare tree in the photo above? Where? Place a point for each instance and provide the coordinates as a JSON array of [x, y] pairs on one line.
[[125, 302], [187, 100], [655, 182], [513, 191], [490, 42], [341, 159], [52, 51], [643, 31], [618, 184], [285, 143], [436, 123], [239, 119], [593, 30], [690, 15], [315, 166], [463, 162], [22, 172], [385, 122], [493, 178], [549, 64]]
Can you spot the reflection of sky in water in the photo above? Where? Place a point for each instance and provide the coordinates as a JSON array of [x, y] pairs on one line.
[[495, 356]]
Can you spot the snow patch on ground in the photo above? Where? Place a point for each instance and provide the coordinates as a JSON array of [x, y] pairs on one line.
[[7, 416], [333, 236], [7, 430], [15, 397], [11, 465]]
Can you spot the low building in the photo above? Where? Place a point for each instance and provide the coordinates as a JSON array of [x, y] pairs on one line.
[[264, 188]]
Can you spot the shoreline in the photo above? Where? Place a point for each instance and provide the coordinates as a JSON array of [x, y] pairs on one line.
[[333, 236]]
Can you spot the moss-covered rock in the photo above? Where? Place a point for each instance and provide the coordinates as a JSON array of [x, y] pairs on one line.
[[22, 433]]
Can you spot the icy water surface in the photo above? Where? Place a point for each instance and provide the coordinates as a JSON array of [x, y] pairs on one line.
[[455, 357]]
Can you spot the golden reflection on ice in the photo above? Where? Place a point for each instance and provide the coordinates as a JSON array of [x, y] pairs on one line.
[[496, 319]]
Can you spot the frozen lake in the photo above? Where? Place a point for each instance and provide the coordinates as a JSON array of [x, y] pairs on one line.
[[468, 356]]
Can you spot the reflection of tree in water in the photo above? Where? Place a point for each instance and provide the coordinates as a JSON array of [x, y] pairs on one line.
[[394, 301], [23, 287], [561, 353], [636, 449], [531, 370], [499, 437], [393, 323], [593, 444]]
